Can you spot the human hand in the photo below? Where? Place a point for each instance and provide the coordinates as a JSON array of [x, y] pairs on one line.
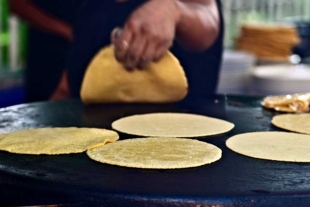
[[147, 34]]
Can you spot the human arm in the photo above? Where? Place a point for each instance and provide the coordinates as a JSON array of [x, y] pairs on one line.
[[198, 26], [40, 19], [152, 28]]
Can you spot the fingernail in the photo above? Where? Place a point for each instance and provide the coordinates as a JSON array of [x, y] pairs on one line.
[[125, 44], [116, 32]]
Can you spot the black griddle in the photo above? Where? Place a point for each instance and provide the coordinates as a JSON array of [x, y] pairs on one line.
[[76, 180]]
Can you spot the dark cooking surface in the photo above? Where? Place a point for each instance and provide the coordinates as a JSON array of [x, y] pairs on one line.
[[234, 180]]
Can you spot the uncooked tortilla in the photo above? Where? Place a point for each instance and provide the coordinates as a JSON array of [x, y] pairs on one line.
[[171, 125], [107, 81], [157, 153], [293, 122], [53, 141], [279, 146]]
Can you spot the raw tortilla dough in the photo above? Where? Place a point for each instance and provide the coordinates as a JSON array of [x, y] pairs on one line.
[[293, 122], [279, 146], [53, 141], [157, 153], [171, 125], [106, 81]]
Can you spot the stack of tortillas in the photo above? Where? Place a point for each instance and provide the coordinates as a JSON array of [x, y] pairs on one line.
[[107, 81], [268, 42], [160, 150]]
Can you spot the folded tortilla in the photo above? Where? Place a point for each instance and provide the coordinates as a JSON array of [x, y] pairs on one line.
[[55, 141], [107, 81], [288, 103]]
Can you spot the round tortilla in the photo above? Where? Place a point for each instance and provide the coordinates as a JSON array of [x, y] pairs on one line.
[[157, 153], [107, 81], [293, 122], [171, 125], [278, 146], [53, 141]]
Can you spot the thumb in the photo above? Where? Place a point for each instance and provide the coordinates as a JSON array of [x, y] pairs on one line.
[[116, 32]]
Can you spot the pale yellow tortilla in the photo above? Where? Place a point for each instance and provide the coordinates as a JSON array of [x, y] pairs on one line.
[[107, 81], [278, 146], [156, 153], [293, 122], [53, 141], [172, 125]]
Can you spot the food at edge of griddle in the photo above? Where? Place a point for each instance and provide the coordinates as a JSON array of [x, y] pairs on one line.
[[276, 146], [294, 103]]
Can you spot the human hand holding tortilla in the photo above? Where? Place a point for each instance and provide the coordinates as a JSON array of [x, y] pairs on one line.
[[147, 34], [107, 81], [142, 43]]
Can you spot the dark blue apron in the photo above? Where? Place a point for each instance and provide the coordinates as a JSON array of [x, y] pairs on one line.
[[96, 20]]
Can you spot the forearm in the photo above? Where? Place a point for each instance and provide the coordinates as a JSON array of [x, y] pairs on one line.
[[38, 18], [198, 24]]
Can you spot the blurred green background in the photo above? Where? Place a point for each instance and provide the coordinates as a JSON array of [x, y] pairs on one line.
[[11, 81], [5, 37]]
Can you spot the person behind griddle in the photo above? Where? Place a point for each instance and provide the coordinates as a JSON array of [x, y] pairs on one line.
[[191, 29]]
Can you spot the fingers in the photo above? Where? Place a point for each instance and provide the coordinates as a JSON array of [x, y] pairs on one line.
[[147, 56], [136, 46], [135, 52], [115, 34], [122, 44], [146, 35]]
